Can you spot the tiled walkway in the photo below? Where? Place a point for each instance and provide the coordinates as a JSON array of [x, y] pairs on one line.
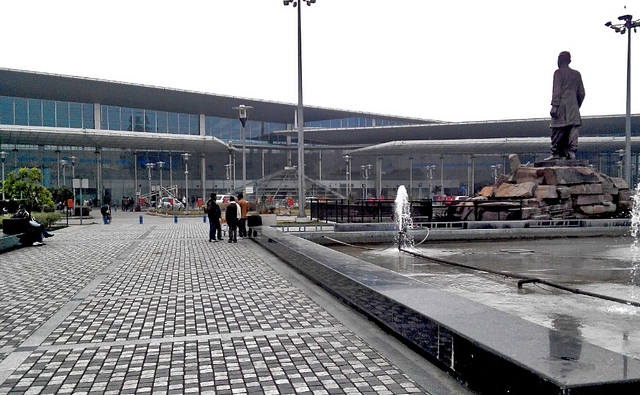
[[156, 308]]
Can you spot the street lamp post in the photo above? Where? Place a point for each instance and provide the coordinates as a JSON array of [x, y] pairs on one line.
[[494, 170], [430, 169], [410, 175], [73, 179], [242, 116], [64, 163], [160, 165], [186, 156], [347, 159], [301, 192], [232, 167], [627, 24], [3, 156], [365, 173], [150, 166]]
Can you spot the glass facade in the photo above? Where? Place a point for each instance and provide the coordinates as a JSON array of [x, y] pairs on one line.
[[138, 120], [353, 122], [37, 112]]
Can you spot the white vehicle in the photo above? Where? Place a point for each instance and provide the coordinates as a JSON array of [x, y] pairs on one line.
[[223, 201], [169, 203]]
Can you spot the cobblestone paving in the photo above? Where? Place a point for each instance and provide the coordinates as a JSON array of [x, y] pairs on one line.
[[156, 308]]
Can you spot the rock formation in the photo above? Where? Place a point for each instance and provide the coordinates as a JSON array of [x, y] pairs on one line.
[[556, 189]]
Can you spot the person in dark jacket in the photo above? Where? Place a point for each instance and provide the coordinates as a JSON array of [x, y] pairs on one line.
[[233, 214], [214, 214]]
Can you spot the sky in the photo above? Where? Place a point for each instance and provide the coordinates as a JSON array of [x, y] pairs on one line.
[[458, 61]]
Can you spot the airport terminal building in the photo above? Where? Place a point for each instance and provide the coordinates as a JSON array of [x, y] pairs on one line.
[[128, 139]]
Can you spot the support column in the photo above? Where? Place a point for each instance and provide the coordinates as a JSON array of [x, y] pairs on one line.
[[97, 117], [379, 177], [98, 176], [203, 178]]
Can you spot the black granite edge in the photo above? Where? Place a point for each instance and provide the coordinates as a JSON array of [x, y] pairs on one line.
[[418, 329]]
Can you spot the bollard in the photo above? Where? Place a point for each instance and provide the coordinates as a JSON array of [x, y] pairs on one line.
[[175, 219], [140, 219], [204, 219]]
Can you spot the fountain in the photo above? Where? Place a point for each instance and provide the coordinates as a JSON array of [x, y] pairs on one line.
[[402, 216], [635, 226]]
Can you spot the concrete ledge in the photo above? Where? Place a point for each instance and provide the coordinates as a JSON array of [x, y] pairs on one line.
[[489, 351], [8, 242]]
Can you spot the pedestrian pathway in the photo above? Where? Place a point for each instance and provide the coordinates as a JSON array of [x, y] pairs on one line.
[[156, 308]]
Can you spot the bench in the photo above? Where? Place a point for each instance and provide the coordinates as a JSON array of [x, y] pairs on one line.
[[15, 232], [15, 226]]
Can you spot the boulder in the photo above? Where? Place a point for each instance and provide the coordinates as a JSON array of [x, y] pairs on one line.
[[570, 175], [524, 190], [619, 183], [486, 191], [584, 200], [586, 189], [546, 192], [564, 192], [528, 174]]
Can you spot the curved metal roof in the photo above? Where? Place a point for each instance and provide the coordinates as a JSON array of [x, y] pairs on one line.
[[496, 146], [32, 135], [593, 126], [20, 83]]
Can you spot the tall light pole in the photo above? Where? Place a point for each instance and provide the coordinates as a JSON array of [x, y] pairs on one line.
[[64, 163], [301, 192], [410, 175], [627, 24], [242, 116], [160, 165], [73, 179], [185, 157], [430, 169], [150, 166], [3, 156], [365, 173], [347, 159], [232, 167]]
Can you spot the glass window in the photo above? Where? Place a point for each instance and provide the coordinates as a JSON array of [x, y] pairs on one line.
[[104, 123], [48, 113], [21, 112], [194, 124], [137, 120], [87, 116], [114, 118], [150, 121], [183, 122], [75, 115], [62, 114], [163, 121], [126, 119], [35, 112], [6, 110], [173, 123]]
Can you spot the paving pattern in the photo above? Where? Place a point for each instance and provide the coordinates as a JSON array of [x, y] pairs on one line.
[[156, 308]]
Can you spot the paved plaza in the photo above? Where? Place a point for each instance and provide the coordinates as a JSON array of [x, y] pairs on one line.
[[156, 308]]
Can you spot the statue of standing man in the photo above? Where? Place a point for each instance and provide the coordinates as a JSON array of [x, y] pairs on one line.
[[568, 94]]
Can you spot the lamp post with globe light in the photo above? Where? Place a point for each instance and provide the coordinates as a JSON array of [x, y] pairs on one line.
[[242, 116], [186, 157]]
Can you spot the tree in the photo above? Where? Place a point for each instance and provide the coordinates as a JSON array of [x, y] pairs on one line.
[[61, 194], [26, 185]]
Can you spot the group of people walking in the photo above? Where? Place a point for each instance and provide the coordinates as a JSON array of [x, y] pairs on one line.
[[235, 216]]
